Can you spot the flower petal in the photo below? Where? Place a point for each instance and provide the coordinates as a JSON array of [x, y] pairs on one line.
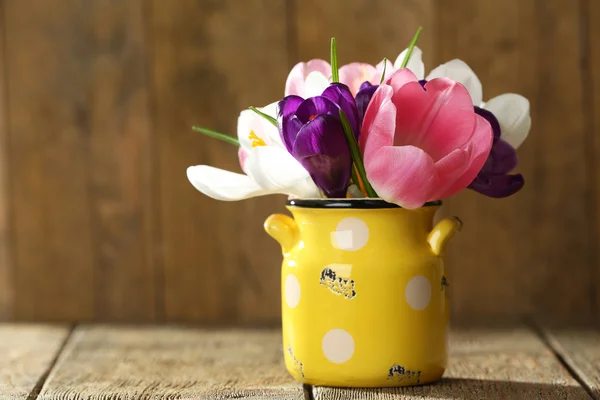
[[459, 71], [275, 169], [223, 185], [287, 121], [400, 78], [379, 122], [363, 98], [322, 149], [502, 159], [340, 95], [404, 175], [415, 62], [477, 151], [491, 118], [316, 82], [314, 106], [512, 112], [498, 186], [389, 70], [354, 74], [296, 80], [438, 119]]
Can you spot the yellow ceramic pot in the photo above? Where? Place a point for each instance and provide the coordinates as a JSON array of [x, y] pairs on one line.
[[364, 292]]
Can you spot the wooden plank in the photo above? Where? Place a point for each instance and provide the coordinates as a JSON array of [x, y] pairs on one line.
[[485, 364], [210, 61], [580, 349], [591, 87], [6, 271], [381, 29], [79, 160], [158, 363], [511, 255], [28, 352]]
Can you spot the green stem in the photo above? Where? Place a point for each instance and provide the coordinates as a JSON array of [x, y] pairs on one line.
[[217, 135], [335, 73], [355, 152], [383, 73], [411, 46], [265, 116]]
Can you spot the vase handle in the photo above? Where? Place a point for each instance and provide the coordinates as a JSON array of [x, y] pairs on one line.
[[442, 233], [283, 229]]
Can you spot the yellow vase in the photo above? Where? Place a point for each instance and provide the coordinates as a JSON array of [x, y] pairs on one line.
[[364, 292]]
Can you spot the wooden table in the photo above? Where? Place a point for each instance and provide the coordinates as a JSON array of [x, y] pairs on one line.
[[126, 362]]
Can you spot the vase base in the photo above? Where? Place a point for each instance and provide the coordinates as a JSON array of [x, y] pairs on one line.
[[426, 379]]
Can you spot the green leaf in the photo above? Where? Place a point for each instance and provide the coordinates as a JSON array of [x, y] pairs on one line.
[[265, 116], [217, 135], [411, 46], [335, 74], [355, 152], [383, 73]]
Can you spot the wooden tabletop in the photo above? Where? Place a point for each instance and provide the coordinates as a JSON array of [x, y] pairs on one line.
[[126, 362]]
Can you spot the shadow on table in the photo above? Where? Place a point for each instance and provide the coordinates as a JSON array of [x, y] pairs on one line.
[[457, 388]]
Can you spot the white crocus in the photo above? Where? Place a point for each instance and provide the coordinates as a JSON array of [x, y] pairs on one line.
[[511, 110], [269, 167]]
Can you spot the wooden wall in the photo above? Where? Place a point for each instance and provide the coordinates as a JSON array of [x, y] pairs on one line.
[[97, 97]]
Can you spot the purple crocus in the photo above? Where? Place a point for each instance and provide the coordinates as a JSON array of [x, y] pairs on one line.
[[312, 132], [493, 180]]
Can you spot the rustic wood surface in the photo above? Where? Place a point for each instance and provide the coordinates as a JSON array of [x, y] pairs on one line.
[[485, 364], [580, 348], [98, 220], [170, 363], [26, 355]]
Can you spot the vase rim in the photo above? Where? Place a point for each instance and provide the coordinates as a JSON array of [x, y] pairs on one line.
[[364, 203]]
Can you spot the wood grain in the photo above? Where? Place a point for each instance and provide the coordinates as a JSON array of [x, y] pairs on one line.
[[6, 265], [79, 160], [28, 352], [511, 256], [485, 364], [159, 363], [580, 348], [591, 86], [210, 61], [380, 29]]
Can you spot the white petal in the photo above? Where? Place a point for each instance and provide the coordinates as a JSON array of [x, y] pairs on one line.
[[459, 71], [275, 169], [512, 112], [249, 122], [315, 84], [415, 62], [223, 185]]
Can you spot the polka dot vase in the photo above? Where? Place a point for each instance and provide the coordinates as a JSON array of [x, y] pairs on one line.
[[364, 292]]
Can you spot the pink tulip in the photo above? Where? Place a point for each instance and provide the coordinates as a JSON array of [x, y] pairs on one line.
[[355, 74], [420, 143]]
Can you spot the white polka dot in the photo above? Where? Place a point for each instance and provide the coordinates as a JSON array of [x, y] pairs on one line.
[[292, 291], [338, 346], [418, 292], [350, 234]]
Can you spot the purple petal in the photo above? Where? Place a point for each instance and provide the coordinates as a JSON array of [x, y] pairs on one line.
[[422, 82], [498, 186], [322, 149], [288, 124], [314, 106], [341, 95], [503, 158], [491, 119], [363, 97]]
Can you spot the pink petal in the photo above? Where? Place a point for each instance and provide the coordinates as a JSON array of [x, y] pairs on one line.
[[400, 78], [477, 151], [353, 75], [389, 70], [438, 119], [402, 175], [379, 121], [243, 156], [294, 84]]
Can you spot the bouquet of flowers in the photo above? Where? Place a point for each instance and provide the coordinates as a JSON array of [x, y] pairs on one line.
[[385, 131]]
